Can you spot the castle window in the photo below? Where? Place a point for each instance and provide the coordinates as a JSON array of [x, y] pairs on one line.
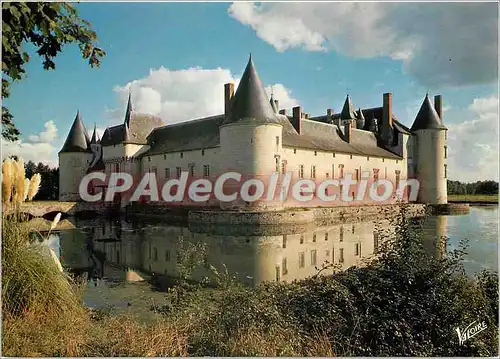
[[301, 171], [206, 170], [445, 171], [203, 152], [327, 175], [283, 167], [164, 157], [341, 256], [178, 171], [167, 172], [375, 174], [313, 171], [277, 164], [284, 241], [149, 159], [301, 239], [191, 170], [326, 236], [333, 154], [314, 237], [167, 255], [294, 151], [333, 171], [385, 173], [445, 151], [155, 254], [397, 161], [117, 167], [313, 257], [341, 171], [356, 174], [277, 140], [341, 233], [350, 156], [302, 259], [283, 266], [398, 175], [357, 249], [315, 153], [368, 158], [353, 228], [182, 154], [383, 159]]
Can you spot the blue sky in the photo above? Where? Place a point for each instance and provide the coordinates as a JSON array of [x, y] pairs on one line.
[[176, 57]]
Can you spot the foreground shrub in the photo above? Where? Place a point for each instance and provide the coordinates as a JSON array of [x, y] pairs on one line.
[[31, 280]]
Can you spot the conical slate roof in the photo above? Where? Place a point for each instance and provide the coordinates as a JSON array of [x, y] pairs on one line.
[[427, 117], [78, 138], [250, 99], [348, 112], [95, 137]]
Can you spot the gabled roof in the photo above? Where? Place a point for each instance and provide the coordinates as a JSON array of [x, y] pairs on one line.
[[250, 99], [427, 117], [78, 138], [348, 111]]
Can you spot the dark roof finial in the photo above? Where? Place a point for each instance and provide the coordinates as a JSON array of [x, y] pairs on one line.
[[128, 112]]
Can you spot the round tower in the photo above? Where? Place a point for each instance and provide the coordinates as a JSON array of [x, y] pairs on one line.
[[430, 152], [251, 124], [74, 159]]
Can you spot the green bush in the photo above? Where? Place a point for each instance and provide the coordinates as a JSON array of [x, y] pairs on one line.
[[30, 278]]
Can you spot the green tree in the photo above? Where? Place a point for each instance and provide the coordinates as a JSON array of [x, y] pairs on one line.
[[48, 27]]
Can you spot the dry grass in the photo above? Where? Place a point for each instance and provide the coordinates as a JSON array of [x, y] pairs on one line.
[[473, 198]]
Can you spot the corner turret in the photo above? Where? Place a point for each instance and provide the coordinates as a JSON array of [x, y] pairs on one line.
[[429, 146]]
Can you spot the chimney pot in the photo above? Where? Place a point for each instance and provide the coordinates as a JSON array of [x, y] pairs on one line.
[[297, 117], [438, 105], [387, 110], [228, 96], [348, 131]]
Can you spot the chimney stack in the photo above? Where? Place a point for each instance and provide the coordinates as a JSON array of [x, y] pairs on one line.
[[348, 131], [387, 110], [297, 117], [438, 105], [228, 96], [329, 112], [283, 112]]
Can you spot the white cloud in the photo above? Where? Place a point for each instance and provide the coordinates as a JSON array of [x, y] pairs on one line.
[[180, 95], [42, 147], [439, 44], [473, 144], [48, 135]]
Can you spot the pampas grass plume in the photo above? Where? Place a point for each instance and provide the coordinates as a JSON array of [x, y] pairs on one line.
[[34, 186]]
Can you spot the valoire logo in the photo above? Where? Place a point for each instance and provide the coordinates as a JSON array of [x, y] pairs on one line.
[[472, 330]]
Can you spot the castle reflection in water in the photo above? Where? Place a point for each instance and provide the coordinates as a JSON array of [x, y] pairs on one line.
[[107, 249]]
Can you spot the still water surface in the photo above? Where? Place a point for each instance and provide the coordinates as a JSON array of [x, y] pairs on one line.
[[108, 252]]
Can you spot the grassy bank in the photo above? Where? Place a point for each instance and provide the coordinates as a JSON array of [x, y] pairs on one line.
[[473, 198], [407, 302]]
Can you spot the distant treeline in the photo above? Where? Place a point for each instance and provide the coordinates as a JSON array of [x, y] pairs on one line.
[[479, 187], [49, 187]]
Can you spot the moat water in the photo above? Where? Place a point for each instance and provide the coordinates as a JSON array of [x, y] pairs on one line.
[[108, 252]]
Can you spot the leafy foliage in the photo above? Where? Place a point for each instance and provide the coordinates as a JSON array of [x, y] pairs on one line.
[[49, 187], [479, 187], [48, 27], [407, 301]]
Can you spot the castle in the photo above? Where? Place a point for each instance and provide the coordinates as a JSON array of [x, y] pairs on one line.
[[253, 137]]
